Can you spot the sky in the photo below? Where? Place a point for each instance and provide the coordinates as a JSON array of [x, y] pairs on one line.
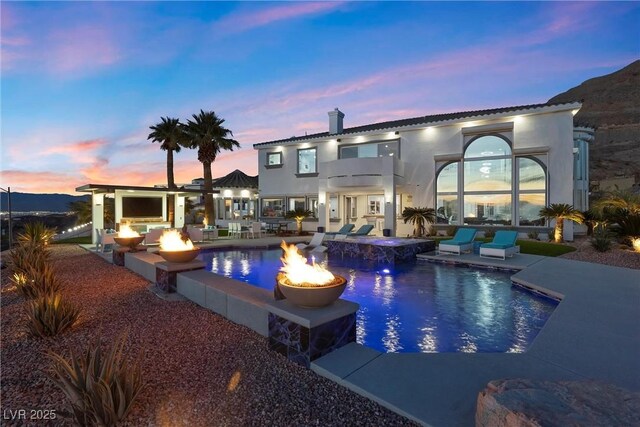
[[81, 82]]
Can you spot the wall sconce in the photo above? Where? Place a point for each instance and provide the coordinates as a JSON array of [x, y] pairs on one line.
[[397, 132], [339, 139]]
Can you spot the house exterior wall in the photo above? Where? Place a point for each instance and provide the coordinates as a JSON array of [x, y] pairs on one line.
[[546, 133]]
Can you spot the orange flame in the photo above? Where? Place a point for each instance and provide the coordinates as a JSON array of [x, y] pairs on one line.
[[127, 231], [171, 240], [297, 271]]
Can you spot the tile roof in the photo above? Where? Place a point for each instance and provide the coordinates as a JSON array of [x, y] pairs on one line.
[[413, 121], [236, 179]]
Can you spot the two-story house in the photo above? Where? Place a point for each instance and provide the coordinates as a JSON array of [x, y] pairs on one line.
[[494, 167]]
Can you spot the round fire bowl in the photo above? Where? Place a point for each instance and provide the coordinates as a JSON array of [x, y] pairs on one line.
[[131, 242], [180, 256], [312, 296]]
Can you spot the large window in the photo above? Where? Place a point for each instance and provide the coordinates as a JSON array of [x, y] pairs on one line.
[[307, 161], [272, 207], [372, 149], [274, 160], [296, 203], [492, 182]]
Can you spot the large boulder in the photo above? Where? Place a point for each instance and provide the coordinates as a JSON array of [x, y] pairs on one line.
[[521, 402]]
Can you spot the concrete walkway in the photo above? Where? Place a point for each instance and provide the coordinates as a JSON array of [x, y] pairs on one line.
[[594, 333]]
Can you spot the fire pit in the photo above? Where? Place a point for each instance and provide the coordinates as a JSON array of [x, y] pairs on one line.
[[307, 285], [127, 237], [174, 249]]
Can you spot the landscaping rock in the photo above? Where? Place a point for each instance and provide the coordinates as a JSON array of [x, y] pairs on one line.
[[521, 402]]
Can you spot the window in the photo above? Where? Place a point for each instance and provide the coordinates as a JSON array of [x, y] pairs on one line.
[[373, 149], [307, 161], [313, 206], [532, 186], [272, 207], [447, 194], [274, 160], [375, 205], [351, 207], [333, 207], [488, 146], [296, 203]]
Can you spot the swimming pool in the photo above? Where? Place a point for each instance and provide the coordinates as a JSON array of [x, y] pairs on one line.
[[417, 306]]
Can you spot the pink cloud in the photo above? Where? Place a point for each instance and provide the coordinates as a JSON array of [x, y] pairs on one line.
[[247, 20], [39, 182], [76, 147], [80, 48]]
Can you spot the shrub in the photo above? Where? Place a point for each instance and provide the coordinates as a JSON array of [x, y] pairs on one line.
[[50, 315], [28, 257], [36, 233], [100, 388], [533, 235], [601, 241], [490, 233], [419, 217], [431, 231], [33, 282], [451, 230]]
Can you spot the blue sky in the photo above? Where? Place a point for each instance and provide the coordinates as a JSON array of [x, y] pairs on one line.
[[83, 81]]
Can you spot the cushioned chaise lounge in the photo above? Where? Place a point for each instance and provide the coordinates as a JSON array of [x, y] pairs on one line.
[[345, 229], [503, 245], [362, 231], [315, 245], [461, 242]]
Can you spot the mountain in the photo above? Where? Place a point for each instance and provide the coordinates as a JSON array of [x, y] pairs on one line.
[[611, 104], [29, 202]]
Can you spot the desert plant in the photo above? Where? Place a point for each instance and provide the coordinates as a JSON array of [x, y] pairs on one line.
[[451, 230], [50, 314], [431, 231], [36, 233], [33, 283], [533, 235], [419, 217], [27, 256], [601, 240], [100, 387], [489, 233], [299, 215], [560, 212]]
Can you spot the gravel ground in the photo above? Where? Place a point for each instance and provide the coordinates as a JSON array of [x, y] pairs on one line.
[[200, 369], [618, 256]]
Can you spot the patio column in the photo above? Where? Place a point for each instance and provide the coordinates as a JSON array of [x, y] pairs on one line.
[[97, 215], [323, 205], [178, 214], [389, 186]]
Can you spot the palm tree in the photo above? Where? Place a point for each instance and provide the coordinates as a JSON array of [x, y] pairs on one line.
[[419, 217], [621, 208], [83, 211], [168, 134], [206, 133], [561, 212], [299, 215]]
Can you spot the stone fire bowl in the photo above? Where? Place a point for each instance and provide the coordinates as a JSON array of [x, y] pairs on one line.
[[179, 256], [131, 242], [312, 296]]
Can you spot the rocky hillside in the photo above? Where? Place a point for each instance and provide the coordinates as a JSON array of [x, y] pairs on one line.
[[611, 103]]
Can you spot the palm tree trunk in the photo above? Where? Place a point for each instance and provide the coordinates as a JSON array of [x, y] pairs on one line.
[[559, 232], [171, 203], [209, 212], [299, 227]]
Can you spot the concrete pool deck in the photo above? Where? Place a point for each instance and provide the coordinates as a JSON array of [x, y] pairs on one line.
[[594, 333]]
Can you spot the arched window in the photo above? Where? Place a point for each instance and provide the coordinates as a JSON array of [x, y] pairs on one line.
[[447, 194], [488, 181], [532, 191]]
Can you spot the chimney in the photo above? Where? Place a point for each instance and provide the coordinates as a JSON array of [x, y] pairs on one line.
[[335, 121]]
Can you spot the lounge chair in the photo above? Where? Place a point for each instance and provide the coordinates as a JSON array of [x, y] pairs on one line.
[[461, 242], [153, 236], [503, 245], [345, 229], [362, 231], [106, 239], [315, 245]]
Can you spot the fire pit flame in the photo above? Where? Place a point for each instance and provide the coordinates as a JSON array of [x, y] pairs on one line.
[[127, 231], [171, 241], [299, 273]]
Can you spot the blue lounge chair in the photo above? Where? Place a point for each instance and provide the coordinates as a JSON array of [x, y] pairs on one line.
[[503, 245], [461, 242], [345, 229], [362, 231]]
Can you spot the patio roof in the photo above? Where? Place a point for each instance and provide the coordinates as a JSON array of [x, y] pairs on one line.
[[236, 179], [111, 188]]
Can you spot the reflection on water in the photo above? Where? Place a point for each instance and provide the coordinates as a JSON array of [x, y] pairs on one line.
[[416, 307]]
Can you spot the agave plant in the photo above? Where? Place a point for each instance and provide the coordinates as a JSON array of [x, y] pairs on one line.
[[26, 257], [33, 283], [560, 212], [100, 387], [299, 215], [50, 315], [36, 233], [419, 217]]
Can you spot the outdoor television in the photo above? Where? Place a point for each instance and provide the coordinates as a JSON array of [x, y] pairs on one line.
[[141, 207]]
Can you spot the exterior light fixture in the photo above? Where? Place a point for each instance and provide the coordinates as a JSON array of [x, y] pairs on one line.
[[397, 132], [339, 140]]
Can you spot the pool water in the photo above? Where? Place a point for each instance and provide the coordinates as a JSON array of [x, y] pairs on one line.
[[416, 307]]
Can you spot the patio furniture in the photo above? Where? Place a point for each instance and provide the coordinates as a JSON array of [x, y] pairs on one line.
[[315, 245], [502, 246], [345, 229], [255, 229], [105, 239], [153, 236], [461, 242], [210, 233], [195, 234], [362, 231]]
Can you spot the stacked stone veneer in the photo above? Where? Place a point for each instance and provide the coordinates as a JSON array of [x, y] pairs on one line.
[[381, 253]]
